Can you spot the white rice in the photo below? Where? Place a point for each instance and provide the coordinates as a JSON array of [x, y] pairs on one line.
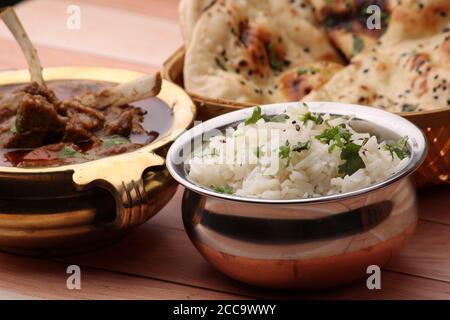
[[238, 163]]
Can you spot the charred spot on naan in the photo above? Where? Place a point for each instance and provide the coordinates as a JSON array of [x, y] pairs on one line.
[[262, 53], [298, 82], [346, 22]]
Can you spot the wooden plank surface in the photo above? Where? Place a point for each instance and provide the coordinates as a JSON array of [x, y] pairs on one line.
[[26, 278], [170, 256], [157, 260]]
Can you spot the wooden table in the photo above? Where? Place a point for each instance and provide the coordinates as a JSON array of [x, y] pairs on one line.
[[157, 260]]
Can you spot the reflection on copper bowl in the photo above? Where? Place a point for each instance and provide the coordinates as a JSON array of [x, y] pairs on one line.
[[78, 207], [303, 243]]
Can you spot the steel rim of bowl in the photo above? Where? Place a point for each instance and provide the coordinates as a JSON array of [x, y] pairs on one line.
[[417, 145]]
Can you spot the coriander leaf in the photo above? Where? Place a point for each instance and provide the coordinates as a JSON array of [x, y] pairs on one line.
[[256, 115], [222, 189], [301, 146], [311, 70], [275, 63], [358, 44], [275, 118], [407, 107], [284, 151], [353, 162], [316, 118], [301, 71], [69, 152], [399, 148], [13, 128], [259, 152], [327, 135], [220, 64], [112, 141], [339, 135]]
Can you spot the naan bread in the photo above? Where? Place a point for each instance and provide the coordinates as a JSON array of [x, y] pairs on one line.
[[240, 48], [408, 71], [346, 22], [296, 83], [189, 11]]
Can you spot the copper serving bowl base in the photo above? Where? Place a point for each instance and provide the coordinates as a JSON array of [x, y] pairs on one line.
[[298, 264], [76, 208], [306, 274]]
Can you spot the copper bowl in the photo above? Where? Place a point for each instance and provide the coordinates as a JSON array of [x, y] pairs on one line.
[[73, 208], [435, 123], [302, 243]]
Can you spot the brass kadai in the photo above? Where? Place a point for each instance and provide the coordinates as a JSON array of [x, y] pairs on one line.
[[74, 208]]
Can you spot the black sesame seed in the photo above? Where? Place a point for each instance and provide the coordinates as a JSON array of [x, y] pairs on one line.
[[365, 70], [436, 97], [306, 50]]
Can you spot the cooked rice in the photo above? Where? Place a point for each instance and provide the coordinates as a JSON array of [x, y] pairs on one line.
[[281, 164]]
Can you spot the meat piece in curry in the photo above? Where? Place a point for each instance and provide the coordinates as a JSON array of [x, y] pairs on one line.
[[42, 130]]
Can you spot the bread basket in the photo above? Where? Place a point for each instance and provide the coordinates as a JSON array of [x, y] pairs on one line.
[[436, 125]]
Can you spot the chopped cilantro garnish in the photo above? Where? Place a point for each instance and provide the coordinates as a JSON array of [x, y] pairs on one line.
[[69, 152], [399, 148], [301, 146], [275, 63], [220, 64], [222, 189], [112, 141], [259, 152], [413, 53], [284, 151], [256, 115], [358, 44], [316, 118], [275, 118], [339, 135], [407, 107], [311, 70], [353, 162], [13, 128]]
